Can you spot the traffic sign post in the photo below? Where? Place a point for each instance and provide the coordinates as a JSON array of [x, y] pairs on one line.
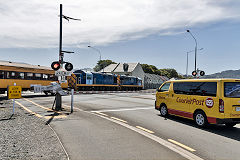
[[14, 92], [72, 92]]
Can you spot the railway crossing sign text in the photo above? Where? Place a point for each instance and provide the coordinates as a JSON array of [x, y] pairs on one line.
[[14, 92], [63, 73]]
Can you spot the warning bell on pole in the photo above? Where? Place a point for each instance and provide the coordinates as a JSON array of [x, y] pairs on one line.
[[55, 65]]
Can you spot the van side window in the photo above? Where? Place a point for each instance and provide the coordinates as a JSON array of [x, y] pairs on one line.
[[196, 88], [165, 87], [232, 89]]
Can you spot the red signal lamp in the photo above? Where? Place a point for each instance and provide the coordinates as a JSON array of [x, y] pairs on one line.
[[55, 65], [194, 73]]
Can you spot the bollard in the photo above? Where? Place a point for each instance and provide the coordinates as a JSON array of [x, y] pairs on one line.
[[72, 91], [58, 104]]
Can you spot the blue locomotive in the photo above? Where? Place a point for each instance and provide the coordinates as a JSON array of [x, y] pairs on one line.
[[85, 81]]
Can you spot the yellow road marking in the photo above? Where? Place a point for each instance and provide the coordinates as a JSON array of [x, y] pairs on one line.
[[182, 145], [41, 106], [38, 115], [119, 119], [58, 116], [103, 114], [145, 129]]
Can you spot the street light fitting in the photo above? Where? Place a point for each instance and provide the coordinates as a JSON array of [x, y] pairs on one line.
[[195, 49]]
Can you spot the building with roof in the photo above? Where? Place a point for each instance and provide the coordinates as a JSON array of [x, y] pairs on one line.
[[135, 69]]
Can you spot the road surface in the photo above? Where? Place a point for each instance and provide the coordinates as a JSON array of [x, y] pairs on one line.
[[126, 126]]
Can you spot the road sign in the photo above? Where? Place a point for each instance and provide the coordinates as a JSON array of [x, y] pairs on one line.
[[14, 92], [63, 73], [62, 81]]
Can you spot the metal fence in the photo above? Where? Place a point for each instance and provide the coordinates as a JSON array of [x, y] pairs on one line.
[[152, 85]]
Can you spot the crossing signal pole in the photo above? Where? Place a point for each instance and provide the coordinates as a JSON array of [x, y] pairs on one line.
[[56, 65]]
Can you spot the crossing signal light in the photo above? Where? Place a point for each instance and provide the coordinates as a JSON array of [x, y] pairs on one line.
[[55, 65], [194, 73], [202, 73], [68, 66]]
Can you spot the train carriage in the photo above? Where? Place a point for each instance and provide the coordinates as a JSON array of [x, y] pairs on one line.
[[25, 75]]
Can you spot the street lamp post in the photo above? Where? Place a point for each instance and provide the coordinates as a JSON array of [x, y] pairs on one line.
[[195, 68], [98, 52], [187, 60]]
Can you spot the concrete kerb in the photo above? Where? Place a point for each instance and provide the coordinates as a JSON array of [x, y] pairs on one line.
[[102, 92]]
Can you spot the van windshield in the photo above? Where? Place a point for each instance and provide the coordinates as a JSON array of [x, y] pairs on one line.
[[232, 89]]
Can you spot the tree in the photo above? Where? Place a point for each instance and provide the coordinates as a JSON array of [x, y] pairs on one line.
[[102, 64], [149, 68], [169, 72]]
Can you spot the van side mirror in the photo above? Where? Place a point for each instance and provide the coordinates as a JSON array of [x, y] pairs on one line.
[[158, 90]]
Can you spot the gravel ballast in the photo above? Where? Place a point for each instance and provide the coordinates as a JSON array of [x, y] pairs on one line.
[[24, 136]]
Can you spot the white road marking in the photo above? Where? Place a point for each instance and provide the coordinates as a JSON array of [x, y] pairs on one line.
[[123, 109], [119, 119], [73, 107], [146, 130], [101, 113], [182, 145], [159, 140]]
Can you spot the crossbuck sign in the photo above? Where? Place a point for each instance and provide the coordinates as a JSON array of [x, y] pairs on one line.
[[63, 73]]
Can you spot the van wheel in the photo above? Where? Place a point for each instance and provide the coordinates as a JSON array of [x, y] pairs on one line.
[[229, 125], [163, 110], [200, 119]]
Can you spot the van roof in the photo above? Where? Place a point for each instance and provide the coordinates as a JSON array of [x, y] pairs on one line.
[[204, 80]]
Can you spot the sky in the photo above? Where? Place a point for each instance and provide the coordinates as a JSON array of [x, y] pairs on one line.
[[145, 31]]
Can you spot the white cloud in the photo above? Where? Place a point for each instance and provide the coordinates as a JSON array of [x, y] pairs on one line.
[[35, 23]]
